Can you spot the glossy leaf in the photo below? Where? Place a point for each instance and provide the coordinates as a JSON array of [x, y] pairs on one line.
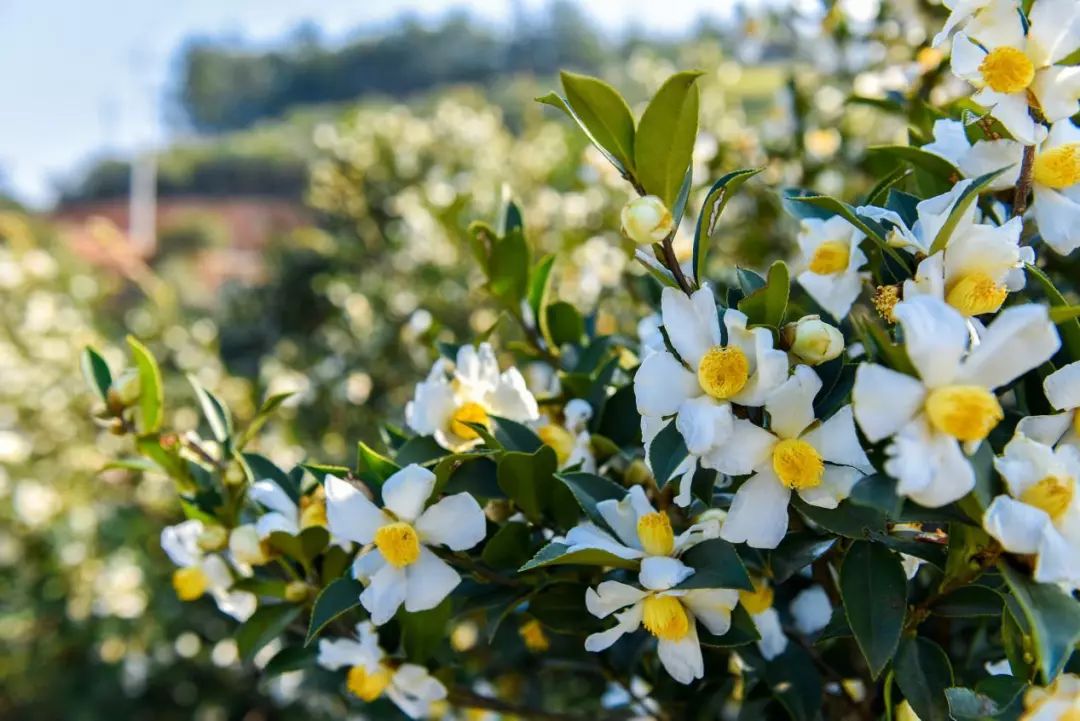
[[665, 136], [339, 596], [874, 589]]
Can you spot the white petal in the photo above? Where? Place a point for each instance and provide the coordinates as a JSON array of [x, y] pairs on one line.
[[406, 492], [685, 471], [691, 322], [181, 543], [429, 580], [238, 604], [966, 57], [349, 513], [610, 596], [1058, 218], [884, 401], [759, 512], [773, 641], [456, 522], [930, 467], [682, 659], [837, 441], [622, 515], [1017, 526], [1059, 560], [835, 292], [1012, 111], [413, 690], [791, 406], [339, 653], [1053, 32], [987, 156], [1019, 339], [628, 622], [661, 385], [1063, 387], [748, 447], [934, 212], [935, 337], [512, 399], [272, 522], [1046, 429], [366, 565], [432, 406], [768, 366], [811, 609], [949, 141], [589, 535], [697, 533], [384, 594], [274, 497], [836, 485], [712, 606], [704, 423], [659, 573]]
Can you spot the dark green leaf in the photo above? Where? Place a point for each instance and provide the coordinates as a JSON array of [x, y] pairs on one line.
[[373, 466], [1053, 618], [874, 589], [564, 323], [291, 658], [589, 489], [267, 623], [96, 372], [767, 305], [716, 565], [667, 451], [969, 602], [339, 596], [508, 268], [742, 631], [604, 113], [847, 519], [796, 552], [795, 682], [261, 467], [557, 554], [528, 479], [665, 136], [923, 673], [510, 547], [423, 632], [715, 201]]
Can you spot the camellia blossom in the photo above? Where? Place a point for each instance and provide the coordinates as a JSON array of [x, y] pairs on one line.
[[401, 568], [638, 530], [1060, 701], [833, 262], [1014, 69], [1062, 389], [950, 407], [930, 216], [286, 515], [759, 604], [471, 391], [668, 613], [820, 461], [969, 14], [1041, 514], [201, 573], [715, 367], [371, 674], [570, 440]]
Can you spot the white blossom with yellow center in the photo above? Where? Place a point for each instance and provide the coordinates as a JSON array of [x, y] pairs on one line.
[[470, 391], [1041, 513], [286, 515], [200, 573], [1060, 701], [821, 462], [1055, 174], [400, 568], [570, 439], [930, 216], [409, 686], [634, 529], [670, 614], [713, 369], [1015, 70], [951, 406], [832, 263], [1062, 388]]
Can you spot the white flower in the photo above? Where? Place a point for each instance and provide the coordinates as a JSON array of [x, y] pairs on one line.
[[409, 686], [930, 214], [714, 369], [952, 400], [637, 530], [401, 568], [201, 573], [668, 613], [287, 516], [1062, 389], [820, 461], [1010, 67], [1041, 514], [1057, 702], [571, 440], [969, 14], [832, 261], [811, 609], [759, 604], [471, 392], [646, 220]]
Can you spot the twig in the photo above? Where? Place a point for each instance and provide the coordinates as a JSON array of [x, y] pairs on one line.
[[1023, 183], [673, 264]]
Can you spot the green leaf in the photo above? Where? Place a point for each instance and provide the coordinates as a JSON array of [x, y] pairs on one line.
[[619, 419], [557, 101], [715, 201], [558, 554], [874, 589], [528, 479], [1062, 314], [604, 113], [514, 436], [919, 158], [374, 466], [878, 193], [291, 658], [878, 491], [665, 136], [215, 412], [997, 698], [589, 489], [847, 519], [768, 304], [795, 682], [151, 393], [872, 229], [969, 602], [339, 596], [969, 196], [1052, 616], [96, 372], [923, 673], [667, 451], [266, 410], [465, 473], [262, 467], [1068, 329], [561, 607], [508, 269], [564, 324], [716, 565], [419, 449], [796, 552], [509, 547], [423, 632], [267, 623], [539, 295]]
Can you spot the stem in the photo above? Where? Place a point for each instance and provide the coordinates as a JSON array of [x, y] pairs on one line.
[[888, 697], [1023, 183], [673, 264]]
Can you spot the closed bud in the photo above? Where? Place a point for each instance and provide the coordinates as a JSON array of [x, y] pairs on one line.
[[125, 388], [646, 220], [213, 538], [297, 591], [813, 340]]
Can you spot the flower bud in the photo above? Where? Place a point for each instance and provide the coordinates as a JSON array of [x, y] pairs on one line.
[[213, 538], [246, 546], [815, 341], [297, 591], [125, 388], [646, 220]]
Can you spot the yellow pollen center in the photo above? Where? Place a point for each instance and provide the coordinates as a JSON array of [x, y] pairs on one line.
[[723, 371], [532, 633], [366, 685], [665, 618], [1076, 421], [885, 299], [759, 600], [470, 412], [560, 440], [967, 413], [1058, 167], [313, 509], [830, 257], [654, 533], [975, 294], [797, 464], [1007, 70], [190, 583], [398, 544], [1051, 494]]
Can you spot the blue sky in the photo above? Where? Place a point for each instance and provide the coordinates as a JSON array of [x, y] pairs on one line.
[[79, 78]]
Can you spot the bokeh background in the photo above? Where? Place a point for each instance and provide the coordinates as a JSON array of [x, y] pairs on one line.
[[273, 195]]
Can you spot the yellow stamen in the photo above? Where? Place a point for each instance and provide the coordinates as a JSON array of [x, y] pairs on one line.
[[1076, 422], [759, 600], [190, 583], [1058, 167], [1052, 494], [1007, 70], [470, 412], [723, 371], [654, 533], [313, 509], [398, 544], [367, 686], [532, 633], [967, 413], [797, 464], [832, 256], [665, 618], [560, 440], [975, 294], [885, 299]]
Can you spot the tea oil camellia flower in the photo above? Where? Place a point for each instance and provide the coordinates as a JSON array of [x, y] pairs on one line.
[[834, 263], [200, 573]]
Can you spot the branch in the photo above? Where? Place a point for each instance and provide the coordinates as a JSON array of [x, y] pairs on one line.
[[673, 264], [1023, 183]]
